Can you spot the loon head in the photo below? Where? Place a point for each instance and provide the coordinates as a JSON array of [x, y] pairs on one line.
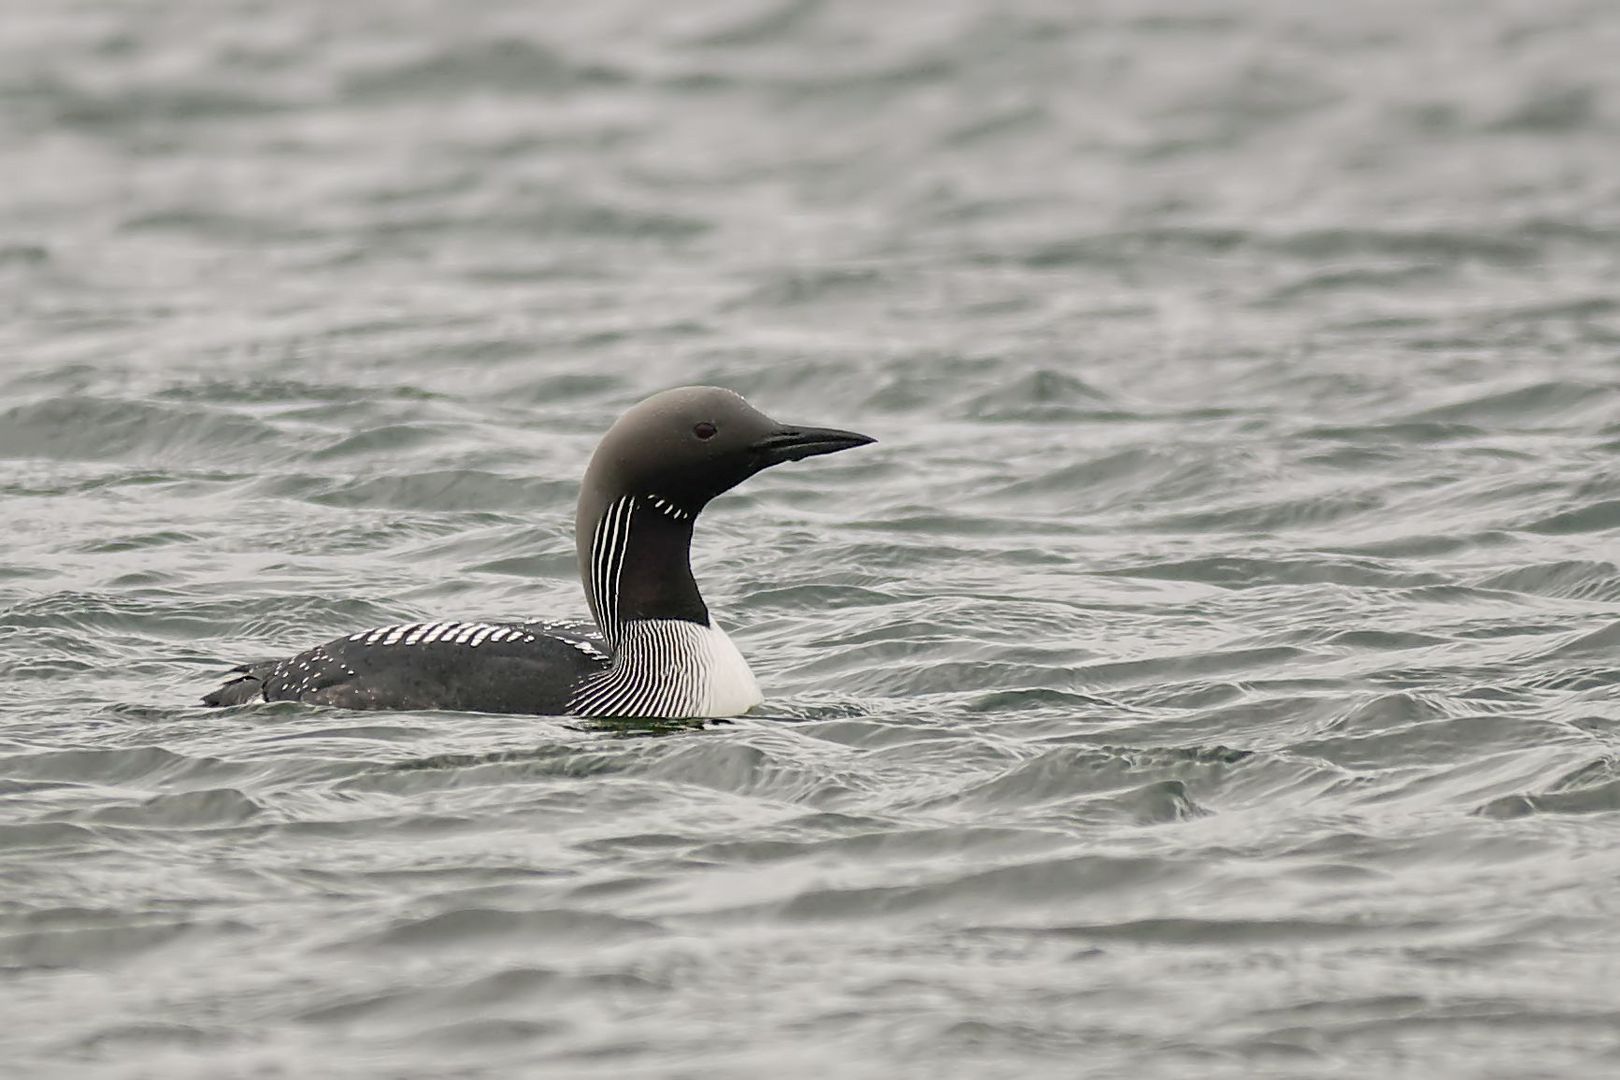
[[686, 446], [654, 471]]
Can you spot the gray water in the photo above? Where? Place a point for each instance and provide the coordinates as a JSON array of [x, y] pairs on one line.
[[1211, 672]]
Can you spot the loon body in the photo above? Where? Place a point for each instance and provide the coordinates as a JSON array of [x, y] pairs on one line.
[[655, 650]]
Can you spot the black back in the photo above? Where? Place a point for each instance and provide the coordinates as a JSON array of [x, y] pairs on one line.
[[514, 668]]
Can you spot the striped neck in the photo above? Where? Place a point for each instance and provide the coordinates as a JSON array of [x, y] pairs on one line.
[[667, 659], [638, 566]]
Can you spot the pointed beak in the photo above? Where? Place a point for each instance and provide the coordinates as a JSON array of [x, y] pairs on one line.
[[793, 442]]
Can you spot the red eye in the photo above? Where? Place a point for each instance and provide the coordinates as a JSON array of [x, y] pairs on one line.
[[704, 430]]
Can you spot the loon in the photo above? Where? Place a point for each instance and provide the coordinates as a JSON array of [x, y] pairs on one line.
[[657, 652]]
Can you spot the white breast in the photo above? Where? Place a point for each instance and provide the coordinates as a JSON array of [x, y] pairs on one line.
[[670, 668], [729, 687]]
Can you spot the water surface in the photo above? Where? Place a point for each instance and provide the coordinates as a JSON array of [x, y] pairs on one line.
[[1212, 671]]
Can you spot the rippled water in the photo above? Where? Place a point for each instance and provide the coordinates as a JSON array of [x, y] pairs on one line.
[[1213, 670]]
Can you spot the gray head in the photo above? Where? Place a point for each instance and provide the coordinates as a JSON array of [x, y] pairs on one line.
[[692, 443], [674, 452]]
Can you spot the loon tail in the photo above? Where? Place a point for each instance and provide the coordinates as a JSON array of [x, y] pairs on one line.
[[244, 688]]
